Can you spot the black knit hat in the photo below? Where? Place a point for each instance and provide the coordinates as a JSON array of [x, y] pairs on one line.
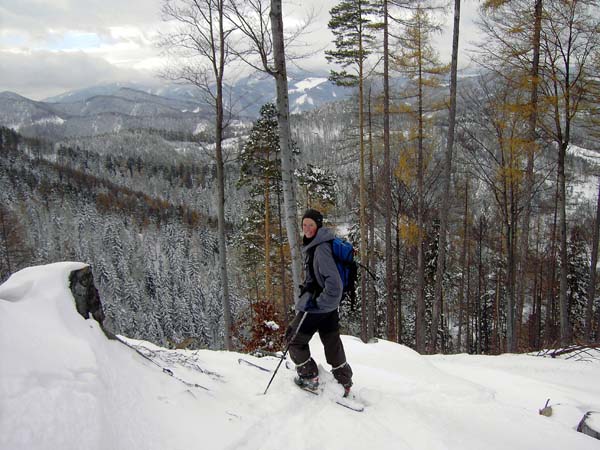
[[314, 215]]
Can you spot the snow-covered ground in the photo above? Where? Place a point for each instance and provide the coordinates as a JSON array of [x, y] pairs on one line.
[[64, 385]]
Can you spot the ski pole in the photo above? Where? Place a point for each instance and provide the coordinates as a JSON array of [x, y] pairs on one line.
[[286, 350]]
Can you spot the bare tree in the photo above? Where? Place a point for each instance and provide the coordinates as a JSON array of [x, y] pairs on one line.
[[14, 251], [591, 294], [387, 173], [568, 40], [418, 61], [201, 39], [260, 22], [447, 172], [594, 130], [529, 173], [513, 52]]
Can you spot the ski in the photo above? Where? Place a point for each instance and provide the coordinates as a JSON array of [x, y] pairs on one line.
[[351, 403], [242, 361], [346, 402]]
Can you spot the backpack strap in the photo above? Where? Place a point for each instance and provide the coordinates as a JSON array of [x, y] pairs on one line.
[[314, 287]]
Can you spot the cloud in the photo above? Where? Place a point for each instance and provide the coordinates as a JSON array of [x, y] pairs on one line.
[[40, 74], [47, 48], [91, 15]]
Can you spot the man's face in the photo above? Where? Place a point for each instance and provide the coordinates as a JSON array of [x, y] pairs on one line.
[[309, 227]]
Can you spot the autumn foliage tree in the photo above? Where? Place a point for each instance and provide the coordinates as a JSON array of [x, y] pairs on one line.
[[418, 61]]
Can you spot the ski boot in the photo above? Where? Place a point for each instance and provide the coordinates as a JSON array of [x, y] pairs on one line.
[[309, 384], [347, 390]]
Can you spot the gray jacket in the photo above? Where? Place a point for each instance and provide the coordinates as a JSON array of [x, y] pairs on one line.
[[326, 276]]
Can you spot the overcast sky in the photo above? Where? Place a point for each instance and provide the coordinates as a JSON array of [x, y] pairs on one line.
[[48, 47]]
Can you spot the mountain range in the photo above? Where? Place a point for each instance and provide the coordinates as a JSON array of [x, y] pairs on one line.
[[109, 108]]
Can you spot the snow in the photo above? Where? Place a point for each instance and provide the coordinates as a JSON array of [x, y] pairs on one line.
[[591, 156], [271, 325], [308, 83], [584, 188], [594, 421], [304, 98], [200, 128], [53, 119], [64, 385]]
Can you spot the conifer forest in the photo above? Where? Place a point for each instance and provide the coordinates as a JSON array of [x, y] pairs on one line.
[[471, 196]]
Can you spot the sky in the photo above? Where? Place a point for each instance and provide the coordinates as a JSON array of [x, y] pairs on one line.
[[64, 385], [48, 47]]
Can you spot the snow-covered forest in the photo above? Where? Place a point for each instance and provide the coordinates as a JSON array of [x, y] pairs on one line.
[[517, 216]]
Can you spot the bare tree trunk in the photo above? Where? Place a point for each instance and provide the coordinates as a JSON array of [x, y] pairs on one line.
[[420, 319], [284, 293], [565, 329], [539, 293], [497, 340], [398, 283], [550, 317], [285, 143], [529, 175], [463, 258], [372, 322], [387, 184], [446, 175], [592, 286], [219, 125], [5, 241], [221, 220], [268, 278], [510, 285], [362, 196], [481, 288]]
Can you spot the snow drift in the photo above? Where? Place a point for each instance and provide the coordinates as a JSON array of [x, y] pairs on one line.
[[64, 385]]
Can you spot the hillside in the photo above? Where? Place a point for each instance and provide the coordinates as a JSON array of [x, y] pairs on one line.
[[64, 385]]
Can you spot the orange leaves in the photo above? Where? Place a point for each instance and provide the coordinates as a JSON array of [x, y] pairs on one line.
[[409, 231]]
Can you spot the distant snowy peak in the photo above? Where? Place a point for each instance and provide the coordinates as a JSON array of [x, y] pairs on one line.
[[108, 108], [307, 83], [311, 92]]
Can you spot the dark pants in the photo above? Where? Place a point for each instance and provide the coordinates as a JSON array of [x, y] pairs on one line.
[[329, 331]]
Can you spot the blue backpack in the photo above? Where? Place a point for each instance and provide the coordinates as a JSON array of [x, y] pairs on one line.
[[343, 255]]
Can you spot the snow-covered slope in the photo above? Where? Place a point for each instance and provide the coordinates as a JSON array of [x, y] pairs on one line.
[[64, 385]]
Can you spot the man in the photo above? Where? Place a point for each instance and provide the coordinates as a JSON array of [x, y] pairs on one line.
[[320, 298]]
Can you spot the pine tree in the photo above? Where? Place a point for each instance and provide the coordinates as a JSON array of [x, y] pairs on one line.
[[318, 186], [352, 23], [260, 171]]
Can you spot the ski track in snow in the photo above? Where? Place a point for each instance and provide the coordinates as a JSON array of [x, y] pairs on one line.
[[64, 385]]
